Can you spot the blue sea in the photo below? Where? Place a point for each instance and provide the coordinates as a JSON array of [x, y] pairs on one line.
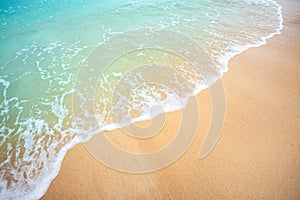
[[45, 43]]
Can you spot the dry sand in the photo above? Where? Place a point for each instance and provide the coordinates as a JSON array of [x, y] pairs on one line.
[[256, 157]]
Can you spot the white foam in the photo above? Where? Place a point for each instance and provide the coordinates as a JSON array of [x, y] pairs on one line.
[[238, 49]]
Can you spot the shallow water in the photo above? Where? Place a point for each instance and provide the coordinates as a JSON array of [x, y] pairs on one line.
[[44, 44]]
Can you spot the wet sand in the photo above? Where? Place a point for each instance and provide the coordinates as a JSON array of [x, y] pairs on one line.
[[256, 157]]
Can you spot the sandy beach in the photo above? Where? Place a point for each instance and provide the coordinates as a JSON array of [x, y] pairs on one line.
[[256, 157]]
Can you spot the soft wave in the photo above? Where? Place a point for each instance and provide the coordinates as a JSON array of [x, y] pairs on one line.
[[38, 72]]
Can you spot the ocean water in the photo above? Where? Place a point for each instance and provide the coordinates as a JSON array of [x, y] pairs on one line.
[[45, 43]]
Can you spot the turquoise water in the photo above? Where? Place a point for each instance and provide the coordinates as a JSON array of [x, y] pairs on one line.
[[44, 43]]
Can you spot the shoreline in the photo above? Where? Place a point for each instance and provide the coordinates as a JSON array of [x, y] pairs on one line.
[[154, 181]]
